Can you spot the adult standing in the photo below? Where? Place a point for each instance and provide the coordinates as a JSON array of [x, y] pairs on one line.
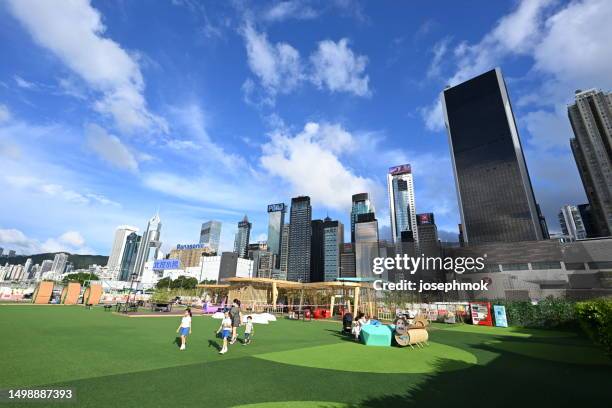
[[236, 319]]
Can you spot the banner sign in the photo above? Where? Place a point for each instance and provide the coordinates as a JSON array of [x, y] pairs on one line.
[[401, 169], [276, 207], [191, 246], [500, 316], [481, 313], [162, 264]]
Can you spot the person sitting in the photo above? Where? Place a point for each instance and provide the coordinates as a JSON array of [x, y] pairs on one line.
[[358, 324]]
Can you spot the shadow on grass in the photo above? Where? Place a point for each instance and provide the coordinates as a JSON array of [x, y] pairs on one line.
[[177, 341], [215, 344]]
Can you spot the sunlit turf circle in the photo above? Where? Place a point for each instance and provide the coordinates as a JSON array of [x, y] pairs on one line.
[[349, 356], [295, 404], [554, 352]]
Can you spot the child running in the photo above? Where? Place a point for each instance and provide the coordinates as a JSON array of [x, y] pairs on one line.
[[248, 331], [184, 328], [226, 331]]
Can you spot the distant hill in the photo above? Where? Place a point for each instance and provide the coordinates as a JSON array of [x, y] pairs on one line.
[[78, 261]]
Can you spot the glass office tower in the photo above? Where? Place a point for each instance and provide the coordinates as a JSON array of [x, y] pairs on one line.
[[128, 259], [241, 241], [276, 221], [210, 234], [402, 208], [496, 199], [298, 262], [361, 205]]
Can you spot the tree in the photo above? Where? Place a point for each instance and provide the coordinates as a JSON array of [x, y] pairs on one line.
[[80, 277], [184, 282], [164, 283]]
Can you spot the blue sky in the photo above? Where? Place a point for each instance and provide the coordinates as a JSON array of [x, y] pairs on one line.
[[210, 110]]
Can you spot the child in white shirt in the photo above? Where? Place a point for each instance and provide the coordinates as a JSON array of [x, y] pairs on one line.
[[226, 331], [248, 331]]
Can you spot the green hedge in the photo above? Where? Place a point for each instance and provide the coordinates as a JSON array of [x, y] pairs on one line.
[[595, 317], [547, 314]]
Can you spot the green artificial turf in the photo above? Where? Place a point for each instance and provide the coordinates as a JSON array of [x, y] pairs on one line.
[[115, 361]]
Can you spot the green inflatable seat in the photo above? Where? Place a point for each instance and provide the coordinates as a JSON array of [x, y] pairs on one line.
[[376, 335]]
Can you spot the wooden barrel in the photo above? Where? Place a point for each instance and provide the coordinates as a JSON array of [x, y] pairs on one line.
[[402, 340], [417, 336]]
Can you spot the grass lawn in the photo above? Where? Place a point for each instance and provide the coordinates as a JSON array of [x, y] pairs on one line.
[[116, 361]]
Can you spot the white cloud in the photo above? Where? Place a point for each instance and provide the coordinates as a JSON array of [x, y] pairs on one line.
[[284, 10], [70, 241], [548, 129], [74, 32], [73, 238], [336, 67], [277, 66], [309, 163], [51, 190], [575, 47], [5, 114], [22, 83], [439, 52], [109, 148]]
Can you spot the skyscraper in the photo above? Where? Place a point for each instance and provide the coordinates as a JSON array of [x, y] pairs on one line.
[[276, 220], [128, 259], [333, 244], [115, 258], [149, 246], [496, 200], [298, 262], [210, 234], [284, 255], [591, 119], [571, 222], [45, 267], [402, 208], [316, 251], [361, 205], [26, 269], [366, 245], [241, 242]]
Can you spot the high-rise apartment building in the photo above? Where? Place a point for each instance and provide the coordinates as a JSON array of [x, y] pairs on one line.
[[361, 204], [115, 257], [276, 220], [150, 244], [27, 269], [402, 208], [284, 255], [333, 244], [59, 263], [128, 259], [210, 234], [241, 242], [366, 245], [298, 262], [586, 214], [571, 222], [591, 119], [496, 199], [316, 251]]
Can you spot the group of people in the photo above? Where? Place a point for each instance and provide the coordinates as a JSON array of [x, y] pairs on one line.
[[232, 319]]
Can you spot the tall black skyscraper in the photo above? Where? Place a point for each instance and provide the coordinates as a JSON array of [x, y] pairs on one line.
[[496, 199], [317, 252], [298, 262]]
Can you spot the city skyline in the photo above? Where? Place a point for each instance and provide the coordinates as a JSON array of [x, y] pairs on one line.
[[176, 143]]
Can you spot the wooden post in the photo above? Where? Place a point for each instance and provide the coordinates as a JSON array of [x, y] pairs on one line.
[[301, 299], [331, 304], [274, 295], [356, 300]]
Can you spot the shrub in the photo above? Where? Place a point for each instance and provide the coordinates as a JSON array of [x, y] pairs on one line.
[[595, 317]]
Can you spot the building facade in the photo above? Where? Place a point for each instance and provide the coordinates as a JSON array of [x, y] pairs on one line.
[[128, 259], [300, 217], [591, 119], [495, 195], [276, 221], [366, 245], [333, 243], [571, 222], [116, 256], [402, 208], [189, 255], [241, 241], [210, 234], [284, 255], [150, 243], [316, 251], [361, 204]]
